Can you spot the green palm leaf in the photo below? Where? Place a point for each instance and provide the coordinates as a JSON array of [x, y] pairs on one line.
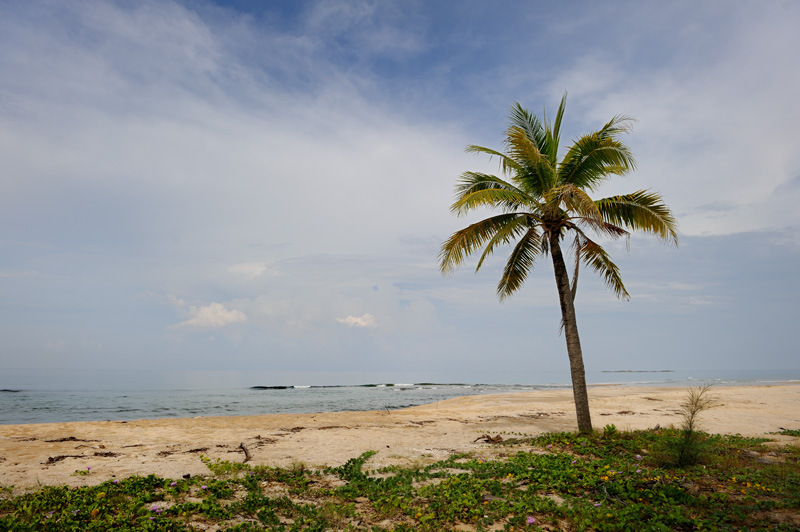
[[507, 164], [513, 229], [476, 189], [521, 118], [536, 173], [593, 158], [575, 201], [596, 258], [520, 263], [553, 131], [640, 211], [463, 243]]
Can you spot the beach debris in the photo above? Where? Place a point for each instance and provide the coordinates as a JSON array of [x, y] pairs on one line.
[[198, 450], [69, 438], [537, 415], [55, 459], [247, 456], [489, 439]]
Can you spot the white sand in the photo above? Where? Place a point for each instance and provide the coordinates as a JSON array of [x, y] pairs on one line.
[[31, 456]]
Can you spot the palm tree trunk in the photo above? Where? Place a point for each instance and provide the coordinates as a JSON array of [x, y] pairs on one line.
[[574, 351]]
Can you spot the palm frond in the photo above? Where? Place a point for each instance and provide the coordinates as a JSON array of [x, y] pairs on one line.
[[595, 157], [576, 201], [520, 262], [641, 211], [505, 235], [554, 130], [595, 257], [534, 172], [476, 189], [463, 243], [529, 123], [507, 164], [601, 227], [523, 150], [618, 125]]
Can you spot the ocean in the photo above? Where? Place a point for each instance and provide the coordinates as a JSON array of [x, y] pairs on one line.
[[46, 396]]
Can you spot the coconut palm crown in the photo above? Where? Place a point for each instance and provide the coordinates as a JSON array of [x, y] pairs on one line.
[[545, 201]]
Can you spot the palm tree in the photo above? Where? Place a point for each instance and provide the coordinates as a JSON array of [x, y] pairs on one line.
[[545, 202]]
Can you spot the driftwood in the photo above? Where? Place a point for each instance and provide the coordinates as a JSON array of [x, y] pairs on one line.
[[489, 439], [247, 456]]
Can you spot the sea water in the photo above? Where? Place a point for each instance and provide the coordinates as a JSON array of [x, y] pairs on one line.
[[46, 396]]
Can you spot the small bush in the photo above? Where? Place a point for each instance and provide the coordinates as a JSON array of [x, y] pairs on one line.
[[688, 445]]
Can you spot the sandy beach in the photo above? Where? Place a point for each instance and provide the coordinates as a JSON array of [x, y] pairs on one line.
[[50, 454]]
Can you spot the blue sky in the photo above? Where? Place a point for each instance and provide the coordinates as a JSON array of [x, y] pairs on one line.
[[264, 186]]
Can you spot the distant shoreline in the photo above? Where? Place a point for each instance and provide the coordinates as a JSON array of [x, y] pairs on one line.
[[22, 405], [380, 385], [638, 371]]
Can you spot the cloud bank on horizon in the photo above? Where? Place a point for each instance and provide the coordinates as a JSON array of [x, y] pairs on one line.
[[230, 184]]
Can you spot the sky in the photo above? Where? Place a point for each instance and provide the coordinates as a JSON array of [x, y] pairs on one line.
[[264, 186]]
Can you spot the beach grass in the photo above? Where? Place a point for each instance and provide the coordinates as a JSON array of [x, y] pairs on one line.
[[610, 481]]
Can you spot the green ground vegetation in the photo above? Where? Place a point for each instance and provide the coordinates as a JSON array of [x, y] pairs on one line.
[[608, 481]]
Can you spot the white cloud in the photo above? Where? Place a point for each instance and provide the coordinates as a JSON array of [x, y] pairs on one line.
[[712, 136], [175, 300], [249, 270], [366, 320], [212, 316]]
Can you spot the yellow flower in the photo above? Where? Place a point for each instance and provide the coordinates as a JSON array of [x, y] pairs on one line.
[[95, 512]]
